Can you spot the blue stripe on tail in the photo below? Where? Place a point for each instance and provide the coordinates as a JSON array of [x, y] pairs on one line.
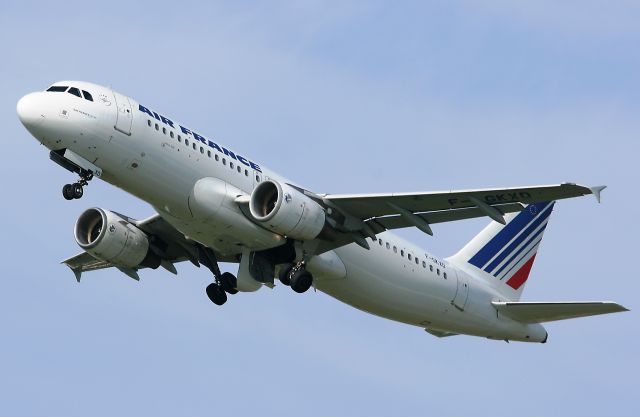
[[508, 232], [531, 227]]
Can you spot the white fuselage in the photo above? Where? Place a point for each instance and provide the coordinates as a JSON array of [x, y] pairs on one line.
[[159, 161]]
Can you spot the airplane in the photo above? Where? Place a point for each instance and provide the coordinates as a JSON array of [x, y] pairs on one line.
[[214, 204]]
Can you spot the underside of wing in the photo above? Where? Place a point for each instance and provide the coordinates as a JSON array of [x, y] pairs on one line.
[[541, 312], [366, 206], [355, 217]]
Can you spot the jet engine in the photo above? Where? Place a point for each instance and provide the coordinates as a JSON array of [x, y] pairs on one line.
[[286, 211], [109, 237]]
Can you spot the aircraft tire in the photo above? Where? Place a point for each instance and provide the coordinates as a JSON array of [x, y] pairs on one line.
[[216, 294], [301, 280], [78, 191], [67, 192], [285, 274], [229, 282]]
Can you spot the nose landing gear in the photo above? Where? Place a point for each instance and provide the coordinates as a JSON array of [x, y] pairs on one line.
[[76, 190]]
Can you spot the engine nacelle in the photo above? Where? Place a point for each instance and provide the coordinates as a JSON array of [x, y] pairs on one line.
[[286, 211], [111, 238]]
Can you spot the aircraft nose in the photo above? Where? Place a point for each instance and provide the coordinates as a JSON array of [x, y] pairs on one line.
[[29, 110]]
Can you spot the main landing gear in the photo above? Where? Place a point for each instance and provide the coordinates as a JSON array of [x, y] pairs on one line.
[[225, 283], [76, 190], [217, 291], [296, 276]]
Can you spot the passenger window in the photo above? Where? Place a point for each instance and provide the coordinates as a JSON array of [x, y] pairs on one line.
[[74, 91], [380, 242], [179, 138], [257, 178], [417, 261], [431, 268], [231, 165], [444, 274], [201, 149], [217, 157], [224, 161], [164, 130], [395, 249], [388, 245], [171, 133], [424, 264], [57, 88], [239, 169], [438, 271], [186, 142], [409, 256], [402, 252], [87, 96], [194, 146], [209, 153], [149, 122], [157, 127], [246, 173]]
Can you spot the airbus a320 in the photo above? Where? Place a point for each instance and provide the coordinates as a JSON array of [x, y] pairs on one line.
[[214, 204]]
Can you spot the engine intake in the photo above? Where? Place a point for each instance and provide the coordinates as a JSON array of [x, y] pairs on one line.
[[286, 211], [109, 237]]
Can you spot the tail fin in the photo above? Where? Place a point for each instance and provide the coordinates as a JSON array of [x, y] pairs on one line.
[[504, 254]]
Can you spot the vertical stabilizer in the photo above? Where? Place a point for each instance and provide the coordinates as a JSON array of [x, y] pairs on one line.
[[504, 254]]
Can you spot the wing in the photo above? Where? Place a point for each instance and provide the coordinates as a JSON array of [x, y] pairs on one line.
[[398, 210], [366, 206], [355, 217], [165, 240]]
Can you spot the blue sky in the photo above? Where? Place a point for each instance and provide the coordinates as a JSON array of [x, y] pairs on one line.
[[342, 97]]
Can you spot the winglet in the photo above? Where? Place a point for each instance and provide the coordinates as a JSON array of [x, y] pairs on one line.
[[597, 190]]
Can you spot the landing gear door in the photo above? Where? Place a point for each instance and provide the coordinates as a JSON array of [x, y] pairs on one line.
[[462, 291], [124, 114]]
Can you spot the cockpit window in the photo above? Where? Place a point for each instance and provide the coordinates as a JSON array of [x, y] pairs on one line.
[[57, 88], [74, 91], [87, 95]]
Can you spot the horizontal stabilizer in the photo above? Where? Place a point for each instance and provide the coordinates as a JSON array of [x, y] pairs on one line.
[[540, 312]]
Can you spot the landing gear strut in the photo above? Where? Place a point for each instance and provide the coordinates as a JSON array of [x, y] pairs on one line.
[[224, 282], [297, 276], [76, 190]]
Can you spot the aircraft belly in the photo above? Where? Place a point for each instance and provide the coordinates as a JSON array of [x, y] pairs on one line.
[[380, 285]]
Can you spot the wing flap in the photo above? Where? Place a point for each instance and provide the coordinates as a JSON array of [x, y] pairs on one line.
[[541, 312]]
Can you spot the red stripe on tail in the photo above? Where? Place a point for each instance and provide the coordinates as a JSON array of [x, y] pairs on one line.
[[521, 276]]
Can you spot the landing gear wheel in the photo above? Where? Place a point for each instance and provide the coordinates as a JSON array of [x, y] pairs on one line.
[[301, 280], [78, 191], [285, 274], [229, 282], [67, 192], [216, 294]]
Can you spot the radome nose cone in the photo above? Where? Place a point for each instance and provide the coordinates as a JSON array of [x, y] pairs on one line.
[[29, 110]]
